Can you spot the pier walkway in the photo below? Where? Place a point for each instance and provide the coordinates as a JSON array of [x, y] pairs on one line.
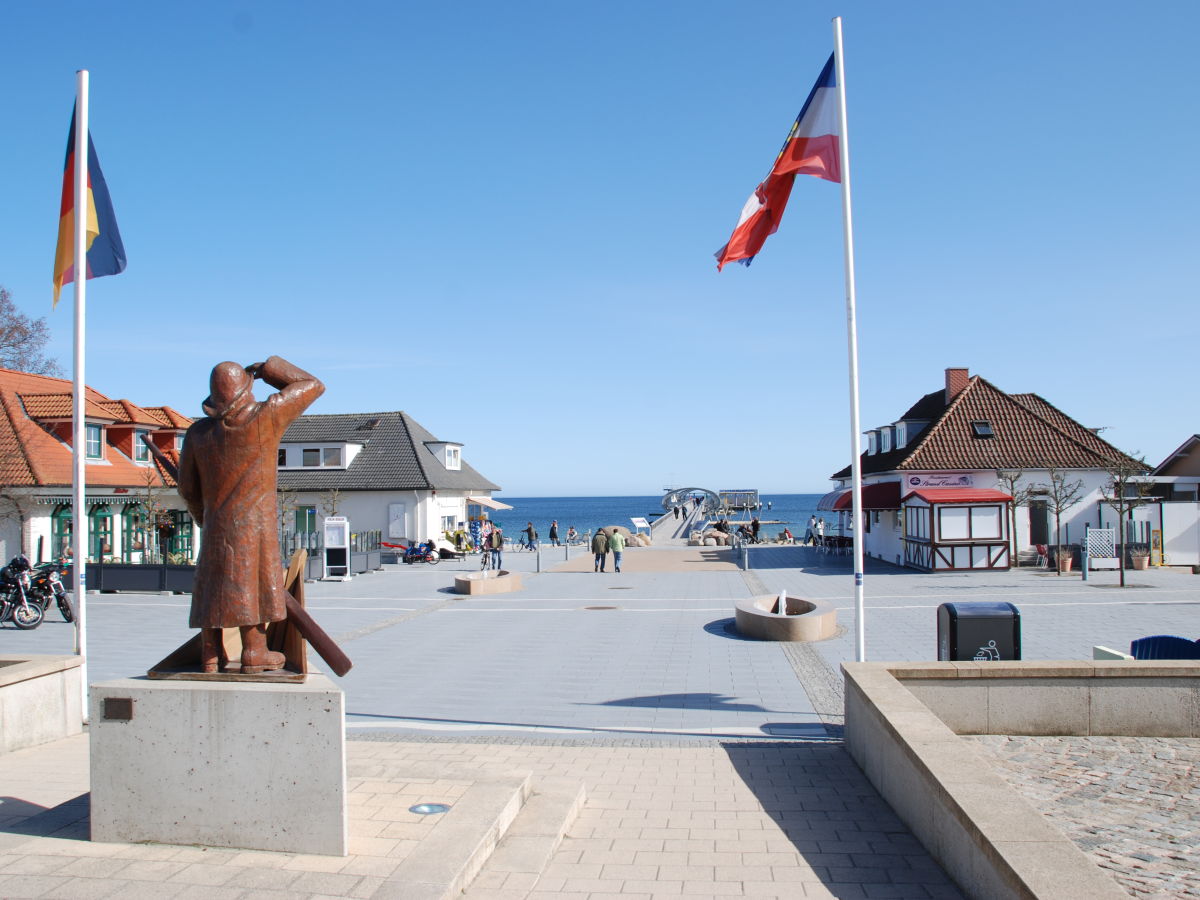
[[713, 765]]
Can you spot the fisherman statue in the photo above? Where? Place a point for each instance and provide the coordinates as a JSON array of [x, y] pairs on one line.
[[227, 477]]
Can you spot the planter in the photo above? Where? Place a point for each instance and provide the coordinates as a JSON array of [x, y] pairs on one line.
[[139, 578], [1141, 562], [1065, 564]]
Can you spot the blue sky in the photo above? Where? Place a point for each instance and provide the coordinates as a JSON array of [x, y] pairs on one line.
[[501, 218]]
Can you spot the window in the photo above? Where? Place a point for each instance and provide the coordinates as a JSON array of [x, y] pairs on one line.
[[871, 443], [954, 523], [901, 428], [60, 531], [179, 440], [982, 428], [448, 524], [99, 533], [310, 456], [180, 543], [282, 459], [985, 522], [133, 532], [885, 440], [141, 453], [916, 522], [331, 456], [964, 523], [93, 442], [453, 458]]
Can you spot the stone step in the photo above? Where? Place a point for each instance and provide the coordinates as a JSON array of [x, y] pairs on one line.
[[514, 868], [446, 860]]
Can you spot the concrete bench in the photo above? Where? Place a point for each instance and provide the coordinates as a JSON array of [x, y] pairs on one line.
[[40, 700], [494, 581], [806, 620]]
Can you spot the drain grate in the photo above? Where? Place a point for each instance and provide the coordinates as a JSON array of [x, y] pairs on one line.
[[599, 607]]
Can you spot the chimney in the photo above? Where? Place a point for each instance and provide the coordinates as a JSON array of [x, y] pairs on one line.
[[956, 380]]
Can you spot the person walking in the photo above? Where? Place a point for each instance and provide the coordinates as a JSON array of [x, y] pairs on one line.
[[600, 550], [811, 531], [754, 526], [530, 535], [820, 530], [675, 510], [616, 544], [496, 544], [554, 534]]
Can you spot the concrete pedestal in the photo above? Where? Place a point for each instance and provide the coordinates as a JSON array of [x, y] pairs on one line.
[[253, 765]]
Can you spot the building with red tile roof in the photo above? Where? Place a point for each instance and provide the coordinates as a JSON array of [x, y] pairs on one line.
[[122, 476], [950, 507]]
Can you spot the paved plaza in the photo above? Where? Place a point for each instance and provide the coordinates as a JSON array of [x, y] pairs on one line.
[[713, 765]]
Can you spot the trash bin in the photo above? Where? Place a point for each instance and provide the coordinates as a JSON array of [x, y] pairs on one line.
[[983, 632]]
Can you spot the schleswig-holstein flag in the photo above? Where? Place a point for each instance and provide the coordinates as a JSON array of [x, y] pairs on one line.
[[105, 252], [811, 148]]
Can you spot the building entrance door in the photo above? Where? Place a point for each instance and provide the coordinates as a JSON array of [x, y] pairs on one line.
[[1039, 522]]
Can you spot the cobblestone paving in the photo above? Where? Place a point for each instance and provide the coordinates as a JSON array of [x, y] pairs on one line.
[[1131, 803]]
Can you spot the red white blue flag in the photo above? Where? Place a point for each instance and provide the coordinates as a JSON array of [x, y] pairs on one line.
[[811, 148]]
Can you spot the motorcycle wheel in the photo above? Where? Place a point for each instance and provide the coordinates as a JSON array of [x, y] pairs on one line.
[[27, 617], [64, 607], [433, 559]]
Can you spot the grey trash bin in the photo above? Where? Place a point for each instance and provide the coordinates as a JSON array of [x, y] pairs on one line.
[[981, 631]]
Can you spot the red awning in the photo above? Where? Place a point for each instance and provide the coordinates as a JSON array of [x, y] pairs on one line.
[[959, 495], [885, 495]]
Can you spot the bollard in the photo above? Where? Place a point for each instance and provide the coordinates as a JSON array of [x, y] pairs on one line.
[[745, 559], [538, 550]]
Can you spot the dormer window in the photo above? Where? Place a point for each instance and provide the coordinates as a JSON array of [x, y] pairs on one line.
[[901, 436], [871, 445], [141, 453], [453, 458], [93, 441], [885, 439], [982, 428], [324, 456]]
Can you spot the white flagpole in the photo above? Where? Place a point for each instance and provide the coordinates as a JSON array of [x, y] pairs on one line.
[[79, 519], [860, 631]]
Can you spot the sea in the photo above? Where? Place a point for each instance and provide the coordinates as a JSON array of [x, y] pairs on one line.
[[590, 513]]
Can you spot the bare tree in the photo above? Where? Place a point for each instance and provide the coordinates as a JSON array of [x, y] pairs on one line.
[[23, 339], [330, 501], [285, 499], [1061, 494], [1021, 495], [17, 505], [1126, 490], [150, 497]]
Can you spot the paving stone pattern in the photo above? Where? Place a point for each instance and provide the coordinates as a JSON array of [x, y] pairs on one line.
[[1131, 803]]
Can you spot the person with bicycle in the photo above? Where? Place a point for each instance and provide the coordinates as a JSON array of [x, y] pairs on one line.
[[496, 544]]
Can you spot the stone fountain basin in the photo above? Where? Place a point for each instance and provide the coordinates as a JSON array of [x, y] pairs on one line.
[[807, 620], [493, 581]]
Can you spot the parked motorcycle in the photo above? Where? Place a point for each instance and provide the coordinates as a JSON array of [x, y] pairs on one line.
[[46, 585], [15, 604]]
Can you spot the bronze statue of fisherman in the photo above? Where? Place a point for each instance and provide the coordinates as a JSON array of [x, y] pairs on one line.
[[227, 477]]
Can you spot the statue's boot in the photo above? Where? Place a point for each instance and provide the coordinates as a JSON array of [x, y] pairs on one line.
[[212, 650], [256, 657]]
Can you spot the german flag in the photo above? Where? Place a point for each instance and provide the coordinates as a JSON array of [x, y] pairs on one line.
[[105, 252]]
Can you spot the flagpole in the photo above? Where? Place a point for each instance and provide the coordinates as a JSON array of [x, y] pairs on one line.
[[79, 519], [860, 633]]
